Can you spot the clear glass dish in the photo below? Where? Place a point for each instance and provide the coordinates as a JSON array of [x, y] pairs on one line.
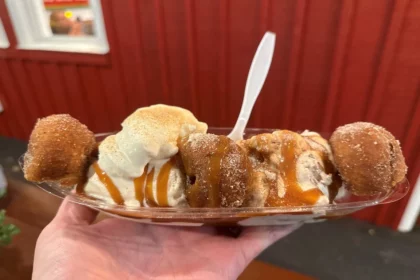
[[247, 216]]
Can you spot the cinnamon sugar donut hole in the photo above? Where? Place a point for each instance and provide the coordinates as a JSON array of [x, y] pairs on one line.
[[59, 151], [368, 157]]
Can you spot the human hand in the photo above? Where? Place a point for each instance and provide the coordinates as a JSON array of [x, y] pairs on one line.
[[72, 247]]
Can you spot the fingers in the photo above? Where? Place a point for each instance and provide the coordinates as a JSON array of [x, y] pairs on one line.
[[269, 234], [254, 240], [75, 214]]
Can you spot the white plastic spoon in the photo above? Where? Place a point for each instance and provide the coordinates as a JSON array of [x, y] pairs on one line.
[[256, 78]]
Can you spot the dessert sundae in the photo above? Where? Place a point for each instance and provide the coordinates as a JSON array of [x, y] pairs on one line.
[[164, 157]]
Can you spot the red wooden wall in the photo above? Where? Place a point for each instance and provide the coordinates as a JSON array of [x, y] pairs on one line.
[[335, 62]]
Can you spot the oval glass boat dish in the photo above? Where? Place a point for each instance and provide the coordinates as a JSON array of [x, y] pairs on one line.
[[246, 216]]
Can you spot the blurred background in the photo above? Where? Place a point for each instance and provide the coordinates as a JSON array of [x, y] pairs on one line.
[[335, 62]]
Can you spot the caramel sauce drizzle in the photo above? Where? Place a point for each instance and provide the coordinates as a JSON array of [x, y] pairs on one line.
[[143, 186], [214, 172], [149, 189], [162, 184], [112, 189], [294, 195], [139, 186]]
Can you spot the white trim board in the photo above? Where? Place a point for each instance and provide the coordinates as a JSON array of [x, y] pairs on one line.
[[4, 41], [33, 33], [412, 210]]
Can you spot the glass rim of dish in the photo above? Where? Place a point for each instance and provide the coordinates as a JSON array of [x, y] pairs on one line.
[[351, 202]]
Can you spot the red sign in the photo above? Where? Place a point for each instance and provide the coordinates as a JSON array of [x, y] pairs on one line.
[[58, 4]]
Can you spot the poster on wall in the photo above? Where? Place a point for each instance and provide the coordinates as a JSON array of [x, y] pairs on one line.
[[69, 17]]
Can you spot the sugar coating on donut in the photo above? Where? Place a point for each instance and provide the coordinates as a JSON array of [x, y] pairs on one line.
[[59, 150], [368, 157], [217, 169]]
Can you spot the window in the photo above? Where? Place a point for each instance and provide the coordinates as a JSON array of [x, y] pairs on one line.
[[74, 20], [59, 25], [4, 42]]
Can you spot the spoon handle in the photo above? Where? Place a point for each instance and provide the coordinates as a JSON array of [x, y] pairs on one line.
[[256, 78]]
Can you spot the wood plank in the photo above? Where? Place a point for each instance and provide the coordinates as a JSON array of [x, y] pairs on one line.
[[127, 48], [56, 86], [150, 58], [244, 39], [36, 82], [396, 85], [178, 49], [21, 119], [317, 53], [299, 24], [76, 95], [207, 17], [191, 34], [28, 103], [162, 50], [113, 77], [265, 24], [223, 63], [366, 41], [346, 21], [7, 114], [96, 103], [390, 49], [273, 98]]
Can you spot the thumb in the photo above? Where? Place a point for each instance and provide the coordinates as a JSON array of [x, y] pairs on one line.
[[254, 240], [75, 214]]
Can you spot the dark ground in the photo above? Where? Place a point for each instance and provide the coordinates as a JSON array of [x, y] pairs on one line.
[[348, 249], [339, 249]]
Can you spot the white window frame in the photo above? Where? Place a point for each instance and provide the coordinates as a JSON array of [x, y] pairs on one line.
[[4, 43], [33, 34]]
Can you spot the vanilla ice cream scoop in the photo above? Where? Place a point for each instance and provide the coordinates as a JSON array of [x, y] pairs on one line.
[[150, 133], [138, 166], [318, 143], [289, 169], [311, 174]]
